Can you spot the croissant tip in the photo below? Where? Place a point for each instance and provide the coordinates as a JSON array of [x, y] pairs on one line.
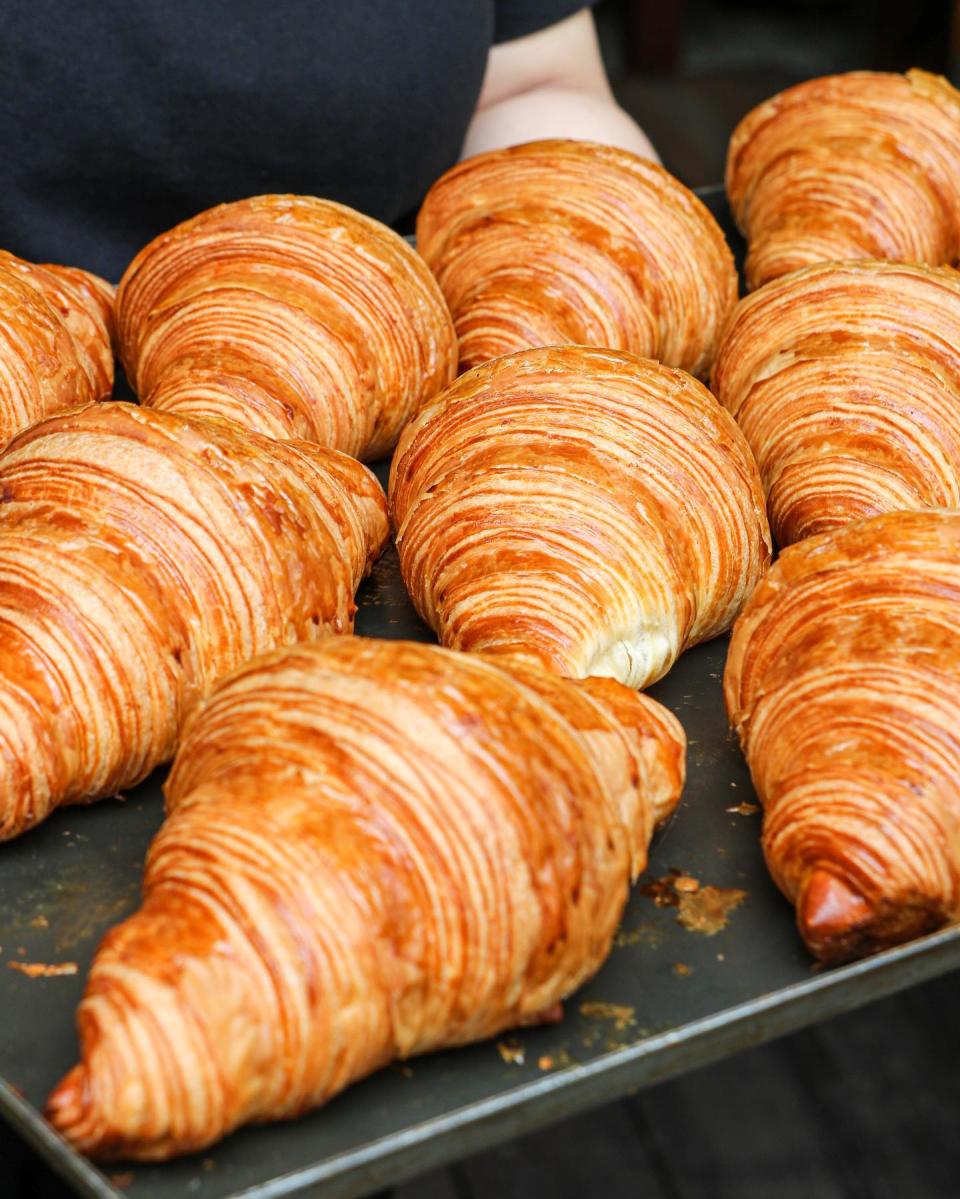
[[832, 916], [66, 1108], [838, 924]]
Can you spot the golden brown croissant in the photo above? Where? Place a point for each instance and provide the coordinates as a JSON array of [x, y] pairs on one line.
[[590, 511], [55, 330], [843, 683], [143, 556], [570, 242], [845, 377], [372, 849], [863, 165], [294, 316]]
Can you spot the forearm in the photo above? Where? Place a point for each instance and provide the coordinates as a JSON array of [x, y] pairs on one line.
[[555, 111], [551, 84]]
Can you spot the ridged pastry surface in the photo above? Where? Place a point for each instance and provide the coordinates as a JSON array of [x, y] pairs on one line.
[[372, 849], [558, 242], [845, 378], [55, 341], [862, 165], [294, 316], [843, 684], [590, 511], [142, 556]]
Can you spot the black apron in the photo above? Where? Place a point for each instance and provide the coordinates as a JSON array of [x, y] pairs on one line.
[[120, 118]]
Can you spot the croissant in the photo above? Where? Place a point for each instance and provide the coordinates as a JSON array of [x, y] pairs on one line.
[[296, 317], [142, 556], [863, 165], [845, 378], [55, 352], [570, 242], [843, 683], [586, 510], [372, 849]]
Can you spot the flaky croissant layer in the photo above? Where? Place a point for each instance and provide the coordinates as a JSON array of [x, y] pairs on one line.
[[142, 556], [372, 849], [296, 317], [56, 325], [862, 165], [845, 378], [590, 511], [843, 683], [557, 242]]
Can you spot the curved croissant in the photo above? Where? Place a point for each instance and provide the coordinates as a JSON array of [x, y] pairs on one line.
[[296, 317], [143, 556], [845, 378], [863, 165], [55, 330], [373, 849], [843, 683], [559, 242], [590, 511]]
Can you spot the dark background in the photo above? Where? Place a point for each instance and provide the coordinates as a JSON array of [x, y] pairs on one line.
[[866, 1106], [688, 70]]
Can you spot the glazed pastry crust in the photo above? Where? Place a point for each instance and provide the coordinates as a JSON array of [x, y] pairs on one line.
[[862, 165], [143, 556], [845, 378], [55, 341], [842, 684], [557, 242], [590, 511], [296, 317], [372, 849]]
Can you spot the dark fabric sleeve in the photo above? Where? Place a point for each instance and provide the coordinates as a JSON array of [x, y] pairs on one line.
[[517, 18]]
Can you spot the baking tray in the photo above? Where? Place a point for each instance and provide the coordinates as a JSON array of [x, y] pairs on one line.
[[669, 998]]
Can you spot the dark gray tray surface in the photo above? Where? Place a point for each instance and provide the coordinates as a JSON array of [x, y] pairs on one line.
[[686, 998]]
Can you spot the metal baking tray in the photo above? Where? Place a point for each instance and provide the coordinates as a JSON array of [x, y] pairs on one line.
[[669, 998]]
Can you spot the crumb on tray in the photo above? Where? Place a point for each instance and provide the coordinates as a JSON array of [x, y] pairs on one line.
[[708, 910], [512, 1051], [44, 969], [621, 1015]]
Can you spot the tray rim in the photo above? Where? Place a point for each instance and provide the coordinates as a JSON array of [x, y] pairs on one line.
[[614, 1074], [468, 1129]]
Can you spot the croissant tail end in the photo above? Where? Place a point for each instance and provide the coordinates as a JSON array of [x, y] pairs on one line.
[[838, 924], [835, 921], [73, 1110], [550, 1015], [68, 1108]]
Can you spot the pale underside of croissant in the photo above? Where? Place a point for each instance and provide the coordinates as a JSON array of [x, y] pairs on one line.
[[55, 333], [142, 556], [372, 849], [845, 378], [557, 242], [590, 511], [294, 316], [863, 165], [843, 683]]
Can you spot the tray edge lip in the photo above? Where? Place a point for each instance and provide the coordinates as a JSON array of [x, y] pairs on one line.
[[29, 1123], [891, 964]]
